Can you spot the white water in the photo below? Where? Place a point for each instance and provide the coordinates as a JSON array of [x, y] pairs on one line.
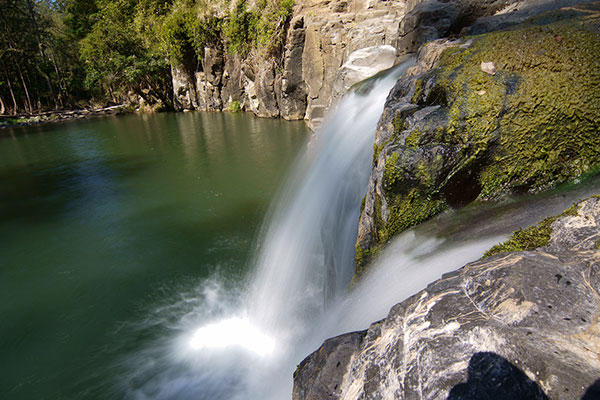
[[230, 342]]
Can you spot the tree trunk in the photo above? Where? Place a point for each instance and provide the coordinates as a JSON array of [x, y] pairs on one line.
[[26, 90], [2, 107], [62, 93], [12, 94], [41, 50]]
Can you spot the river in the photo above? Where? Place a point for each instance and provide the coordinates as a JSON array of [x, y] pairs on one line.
[[107, 220]]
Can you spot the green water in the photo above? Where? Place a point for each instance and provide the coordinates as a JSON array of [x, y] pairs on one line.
[[100, 219]]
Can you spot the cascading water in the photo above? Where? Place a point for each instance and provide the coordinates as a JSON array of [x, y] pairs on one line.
[[306, 258], [245, 343]]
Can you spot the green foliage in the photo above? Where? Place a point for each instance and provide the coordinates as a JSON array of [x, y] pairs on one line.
[[121, 49], [235, 106], [262, 27], [119, 60], [38, 57]]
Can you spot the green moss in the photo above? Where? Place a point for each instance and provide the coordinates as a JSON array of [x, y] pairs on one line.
[[376, 151], [534, 237], [391, 173], [531, 125], [540, 106], [424, 174], [412, 140], [398, 123], [527, 239], [234, 106], [407, 211], [363, 257]]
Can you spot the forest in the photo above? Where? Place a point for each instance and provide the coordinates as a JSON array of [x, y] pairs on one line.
[[66, 54]]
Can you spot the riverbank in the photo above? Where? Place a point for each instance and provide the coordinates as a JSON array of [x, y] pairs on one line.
[[13, 121]]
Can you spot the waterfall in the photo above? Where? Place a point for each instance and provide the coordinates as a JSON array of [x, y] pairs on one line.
[[232, 340], [306, 258], [243, 342]]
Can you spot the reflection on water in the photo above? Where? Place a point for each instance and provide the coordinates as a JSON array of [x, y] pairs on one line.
[[101, 219]]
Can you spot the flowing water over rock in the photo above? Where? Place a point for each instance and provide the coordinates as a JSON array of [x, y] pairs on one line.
[[247, 342]]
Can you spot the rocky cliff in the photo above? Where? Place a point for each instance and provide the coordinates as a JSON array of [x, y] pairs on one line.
[[518, 325], [511, 111], [328, 46]]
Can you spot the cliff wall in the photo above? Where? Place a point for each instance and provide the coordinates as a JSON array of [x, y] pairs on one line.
[[328, 46]]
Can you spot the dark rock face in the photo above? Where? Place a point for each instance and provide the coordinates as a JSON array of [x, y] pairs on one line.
[[517, 13], [459, 131], [292, 88], [522, 325]]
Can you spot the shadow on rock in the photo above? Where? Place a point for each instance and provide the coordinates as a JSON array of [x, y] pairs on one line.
[[491, 377], [593, 392]]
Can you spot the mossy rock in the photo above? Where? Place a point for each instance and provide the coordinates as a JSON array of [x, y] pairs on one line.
[[475, 136]]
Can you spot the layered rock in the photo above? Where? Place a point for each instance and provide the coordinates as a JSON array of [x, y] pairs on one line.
[[520, 325], [511, 111], [335, 30], [306, 79]]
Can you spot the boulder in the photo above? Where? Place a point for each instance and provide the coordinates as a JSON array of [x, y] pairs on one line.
[[434, 19]]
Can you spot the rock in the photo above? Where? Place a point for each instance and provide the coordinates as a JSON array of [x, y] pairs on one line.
[[209, 80], [520, 325], [517, 13], [440, 143], [292, 103], [434, 19], [488, 68], [332, 33], [232, 87], [322, 368], [362, 64], [184, 90]]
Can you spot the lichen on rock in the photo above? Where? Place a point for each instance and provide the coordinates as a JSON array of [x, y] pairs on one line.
[[455, 134]]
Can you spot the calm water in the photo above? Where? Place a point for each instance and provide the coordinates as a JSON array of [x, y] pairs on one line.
[[102, 220]]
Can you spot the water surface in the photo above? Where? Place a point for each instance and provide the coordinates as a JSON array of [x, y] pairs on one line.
[[103, 220]]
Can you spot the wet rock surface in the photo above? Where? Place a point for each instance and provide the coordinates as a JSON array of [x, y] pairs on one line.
[[520, 325]]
